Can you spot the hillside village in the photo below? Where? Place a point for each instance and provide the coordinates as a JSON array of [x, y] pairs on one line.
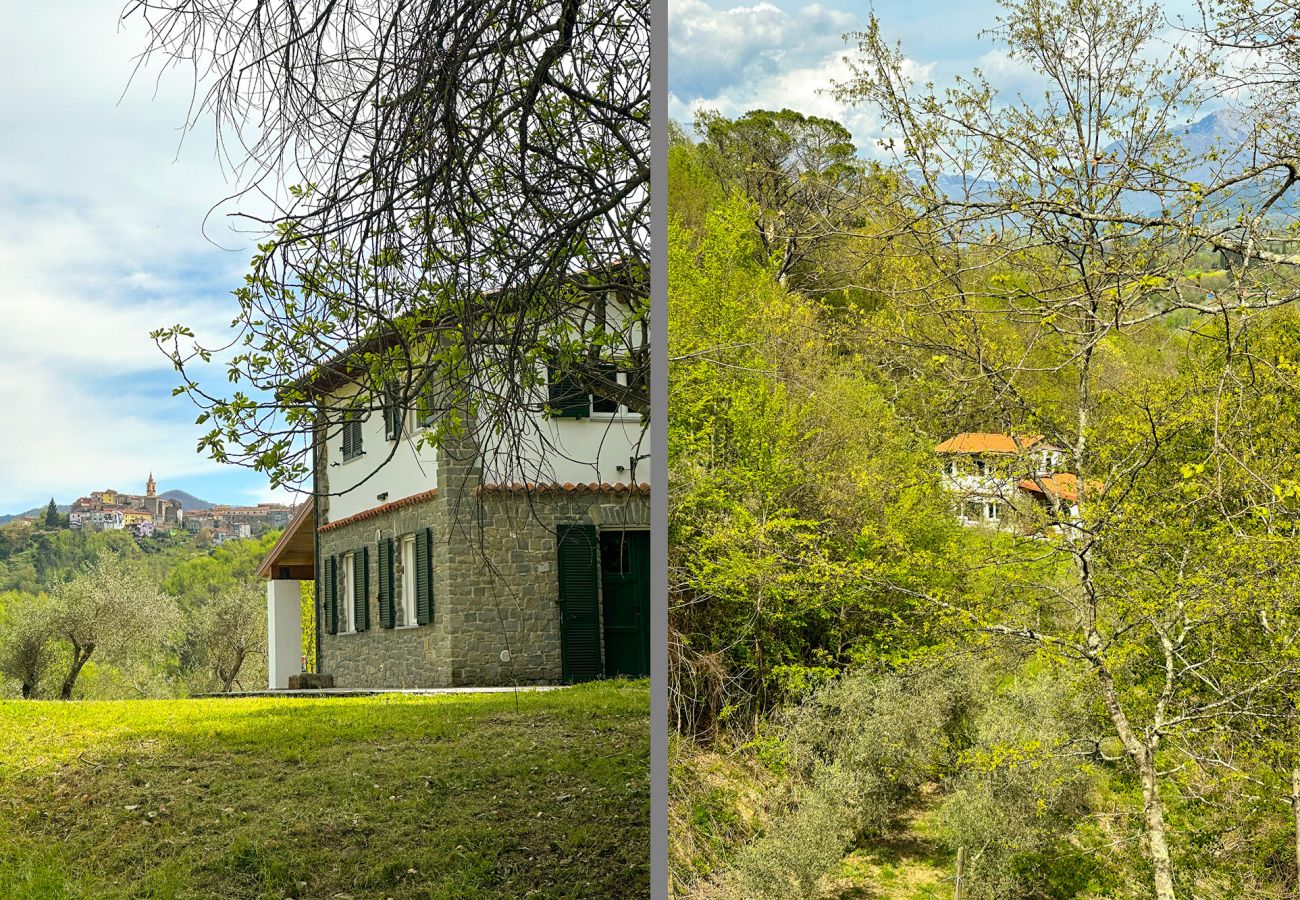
[[147, 514]]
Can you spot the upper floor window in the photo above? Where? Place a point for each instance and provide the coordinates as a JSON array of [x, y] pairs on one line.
[[624, 377], [567, 398], [352, 434], [981, 468], [393, 413]]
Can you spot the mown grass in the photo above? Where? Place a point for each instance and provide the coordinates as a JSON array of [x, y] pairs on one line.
[[455, 796]]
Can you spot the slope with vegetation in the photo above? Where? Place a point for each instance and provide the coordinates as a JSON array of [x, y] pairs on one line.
[[1100, 708]]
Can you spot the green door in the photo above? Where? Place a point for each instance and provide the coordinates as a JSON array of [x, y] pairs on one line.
[[625, 589], [579, 566]]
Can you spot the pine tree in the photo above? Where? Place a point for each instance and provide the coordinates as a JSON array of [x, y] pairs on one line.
[[52, 515]]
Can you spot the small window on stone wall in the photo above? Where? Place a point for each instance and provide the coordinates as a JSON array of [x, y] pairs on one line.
[[346, 596], [406, 580]]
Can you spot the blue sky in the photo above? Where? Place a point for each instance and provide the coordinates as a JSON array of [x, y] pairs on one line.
[[102, 238], [734, 56]]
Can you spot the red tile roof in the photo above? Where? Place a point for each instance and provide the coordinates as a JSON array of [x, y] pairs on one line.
[[1064, 485], [987, 442], [531, 487], [380, 510]]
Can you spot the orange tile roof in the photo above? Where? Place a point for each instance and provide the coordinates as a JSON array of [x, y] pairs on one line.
[[987, 442], [1064, 485]]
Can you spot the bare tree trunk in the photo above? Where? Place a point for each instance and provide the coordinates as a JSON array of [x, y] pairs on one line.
[[29, 689], [79, 657], [1157, 840], [1143, 756], [228, 680]]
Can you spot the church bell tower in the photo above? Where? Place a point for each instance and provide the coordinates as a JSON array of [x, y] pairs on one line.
[[150, 489]]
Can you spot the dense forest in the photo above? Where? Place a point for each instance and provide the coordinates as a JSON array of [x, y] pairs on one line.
[[107, 615], [870, 694]]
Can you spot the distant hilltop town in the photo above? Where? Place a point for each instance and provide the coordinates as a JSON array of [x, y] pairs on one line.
[[146, 514]]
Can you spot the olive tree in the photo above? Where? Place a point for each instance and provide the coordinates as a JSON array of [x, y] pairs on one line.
[[229, 629], [25, 640], [114, 609]]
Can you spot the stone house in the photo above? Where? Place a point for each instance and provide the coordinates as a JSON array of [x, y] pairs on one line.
[[468, 563]]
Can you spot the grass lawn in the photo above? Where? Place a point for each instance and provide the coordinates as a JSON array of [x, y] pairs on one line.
[[470, 795]]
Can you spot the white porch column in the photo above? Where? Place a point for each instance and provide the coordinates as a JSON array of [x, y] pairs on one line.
[[283, 632]]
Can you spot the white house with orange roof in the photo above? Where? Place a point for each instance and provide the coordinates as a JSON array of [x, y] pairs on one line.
[[999, 480]]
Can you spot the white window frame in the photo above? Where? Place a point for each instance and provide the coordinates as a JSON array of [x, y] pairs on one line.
[[406, 617], [623, 411], [992, 511], [347, 602]]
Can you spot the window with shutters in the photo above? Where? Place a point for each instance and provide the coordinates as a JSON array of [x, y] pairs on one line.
[[347, 596], [427, 408], [565, 398], [610, 406], [406, 584], [392, 413], [352, 434]]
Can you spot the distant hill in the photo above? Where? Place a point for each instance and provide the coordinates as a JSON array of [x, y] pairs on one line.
[[37, 512], [188, 500]]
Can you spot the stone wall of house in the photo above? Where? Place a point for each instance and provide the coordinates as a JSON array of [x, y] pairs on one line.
[[495, 583], [378, 656]]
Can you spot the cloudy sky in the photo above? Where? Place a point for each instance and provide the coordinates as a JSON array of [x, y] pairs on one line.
[[102, 216], [102, 239], [733, 56]]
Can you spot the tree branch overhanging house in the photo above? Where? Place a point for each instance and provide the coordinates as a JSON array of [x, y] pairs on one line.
[[466, 560]]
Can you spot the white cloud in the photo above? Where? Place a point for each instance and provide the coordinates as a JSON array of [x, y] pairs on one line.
[[101, 241], [711, 49]]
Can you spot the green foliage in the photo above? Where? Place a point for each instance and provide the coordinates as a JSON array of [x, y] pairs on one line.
[[800, 502], [167, 620]]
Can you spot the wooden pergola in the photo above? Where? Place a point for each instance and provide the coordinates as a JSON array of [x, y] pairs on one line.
[[291, 561], [294, 555]]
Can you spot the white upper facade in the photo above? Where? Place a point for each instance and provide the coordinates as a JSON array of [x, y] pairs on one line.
[[528, 442]]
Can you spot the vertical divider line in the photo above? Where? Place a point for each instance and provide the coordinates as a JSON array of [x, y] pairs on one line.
[[659, 449]]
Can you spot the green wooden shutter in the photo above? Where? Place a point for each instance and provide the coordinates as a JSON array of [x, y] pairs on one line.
[[392, 413], [361, 589], [356, 434], [348, 448], [387, 608], [565, 397], [579, 574], [424, 576], [330, 596]]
